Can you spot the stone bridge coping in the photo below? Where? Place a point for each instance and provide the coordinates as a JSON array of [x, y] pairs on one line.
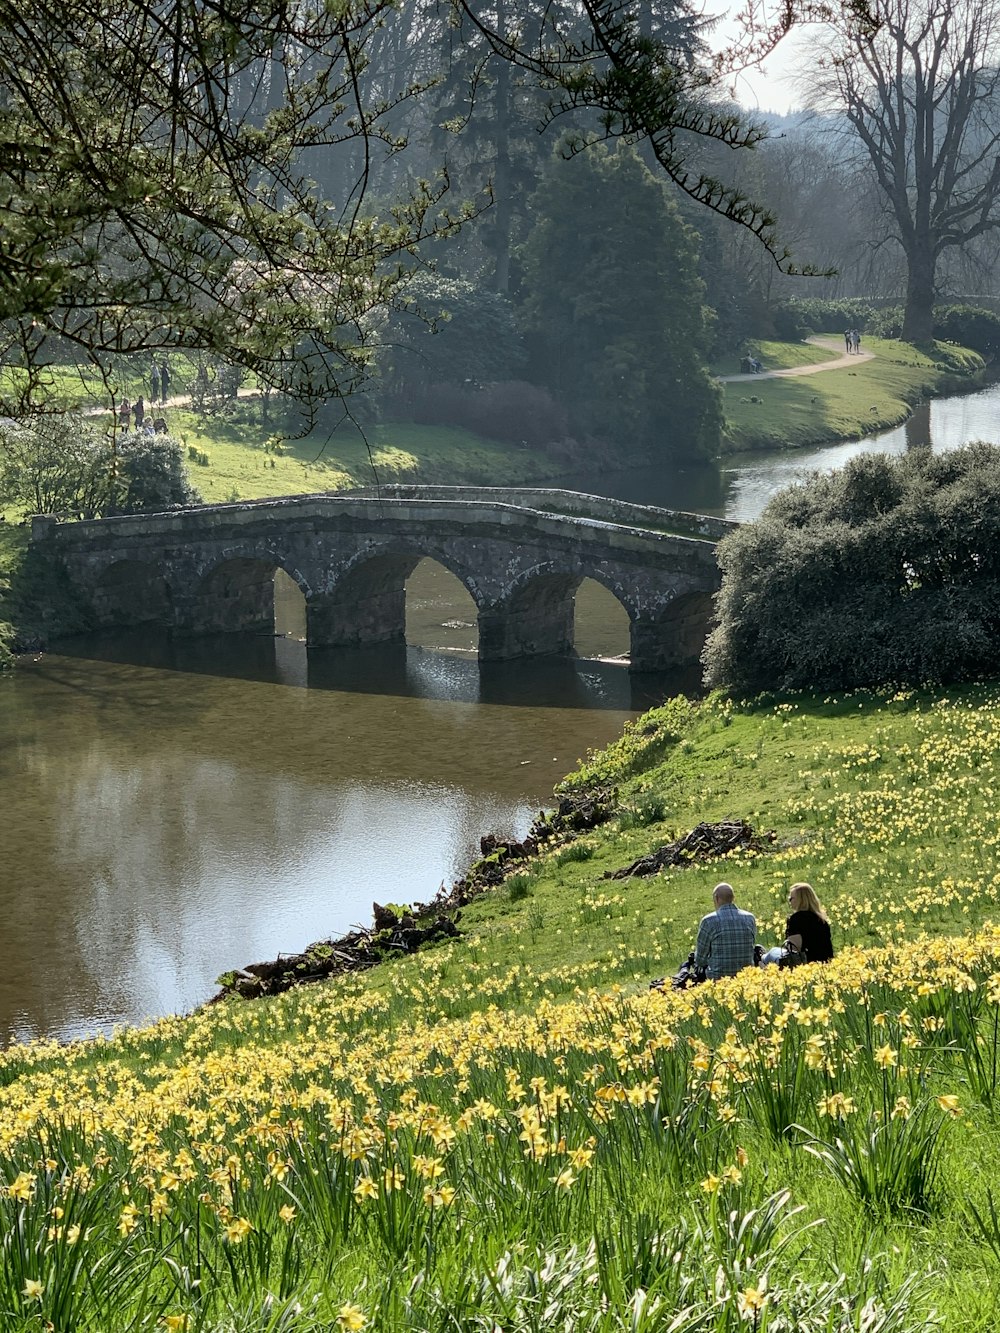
[[549, 499], [472, 506]]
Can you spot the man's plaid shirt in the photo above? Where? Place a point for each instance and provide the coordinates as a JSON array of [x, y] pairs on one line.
[[725, 941]]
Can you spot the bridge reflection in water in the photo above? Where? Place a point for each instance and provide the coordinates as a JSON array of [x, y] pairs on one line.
[[438, 660]]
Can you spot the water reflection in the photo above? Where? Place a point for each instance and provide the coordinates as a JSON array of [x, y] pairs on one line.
[[177, 807], [162, 825], [739, 486]]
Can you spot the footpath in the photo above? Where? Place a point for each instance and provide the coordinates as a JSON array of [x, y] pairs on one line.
[[792, 372]]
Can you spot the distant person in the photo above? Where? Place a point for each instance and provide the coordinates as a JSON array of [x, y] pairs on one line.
[[847, 340], [148, 427], [124, 413], [164, 382], [807, 929], [160, 426], [139, 412], [856, 341], [726, 937], [154, 384]]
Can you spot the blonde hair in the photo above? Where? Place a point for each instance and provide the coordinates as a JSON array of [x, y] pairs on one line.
[[807, 900]]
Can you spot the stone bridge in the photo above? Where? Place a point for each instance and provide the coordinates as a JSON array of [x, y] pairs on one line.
[[521, 554]]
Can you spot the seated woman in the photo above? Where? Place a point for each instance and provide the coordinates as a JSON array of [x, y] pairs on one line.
[[807, 929]]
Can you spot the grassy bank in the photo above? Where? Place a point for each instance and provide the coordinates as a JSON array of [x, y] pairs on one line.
[[509, 1131], [844, 403], [241, 459]]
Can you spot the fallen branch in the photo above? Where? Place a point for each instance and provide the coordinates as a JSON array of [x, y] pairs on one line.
[[706, 842]]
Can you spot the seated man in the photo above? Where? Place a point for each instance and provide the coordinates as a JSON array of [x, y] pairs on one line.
[[725, 937]]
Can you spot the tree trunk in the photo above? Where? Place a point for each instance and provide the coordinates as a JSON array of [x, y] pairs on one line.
[[918, 316], [501, 165]]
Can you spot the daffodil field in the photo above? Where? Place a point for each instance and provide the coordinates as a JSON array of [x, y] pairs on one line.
[[511, 1132]]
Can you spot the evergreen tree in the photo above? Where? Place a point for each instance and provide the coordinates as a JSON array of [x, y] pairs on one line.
[[614, 310]]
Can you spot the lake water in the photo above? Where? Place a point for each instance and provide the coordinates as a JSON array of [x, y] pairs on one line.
[[174, 809]]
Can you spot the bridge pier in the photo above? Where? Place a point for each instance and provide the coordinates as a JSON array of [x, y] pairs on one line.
[[355, 622], [536, 622], [366, 606], [237, 596], [676, 638]]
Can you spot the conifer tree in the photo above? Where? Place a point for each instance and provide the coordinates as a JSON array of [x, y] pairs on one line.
[[615, 314]]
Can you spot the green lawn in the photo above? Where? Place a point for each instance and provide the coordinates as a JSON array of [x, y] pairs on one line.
[[843, 403], [238, 456]]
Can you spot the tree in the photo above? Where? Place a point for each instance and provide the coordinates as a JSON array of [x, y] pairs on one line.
[[614, 311], [887, 571], [154, 191], [452, 332], [155, 180], [63, 465], [920, 86]]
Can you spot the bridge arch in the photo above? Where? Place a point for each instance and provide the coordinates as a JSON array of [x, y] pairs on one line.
[[129, 591], [365, 601], [238, 594]]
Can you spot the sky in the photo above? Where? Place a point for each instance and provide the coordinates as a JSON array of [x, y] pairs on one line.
[[772, 87]]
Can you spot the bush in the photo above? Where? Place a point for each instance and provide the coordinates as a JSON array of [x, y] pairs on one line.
[[969, 326], [63, 465], [511, 410], [824, 316], [449, 332], [886, 323], [887, 571], [151, 475], [789, 322], [966, 325]]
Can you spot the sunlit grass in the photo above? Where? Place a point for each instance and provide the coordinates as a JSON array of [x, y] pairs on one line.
[[843, 403], [512, 1117]]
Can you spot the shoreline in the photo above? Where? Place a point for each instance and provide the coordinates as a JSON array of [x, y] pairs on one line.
[[802, 412]]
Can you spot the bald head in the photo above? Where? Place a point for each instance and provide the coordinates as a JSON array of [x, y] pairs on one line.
[[722, 894]]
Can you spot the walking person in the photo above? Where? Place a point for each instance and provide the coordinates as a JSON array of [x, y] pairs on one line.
[[725, 937], [847, 340], [154, 384], [124, 412], [139, 412], [164, 382], [856, 340]]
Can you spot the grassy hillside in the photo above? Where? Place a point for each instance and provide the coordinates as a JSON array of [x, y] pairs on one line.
[[230, 459], [509, 1131], [844, 403]]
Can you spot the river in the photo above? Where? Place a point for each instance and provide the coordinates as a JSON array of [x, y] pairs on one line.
[[175, 809]]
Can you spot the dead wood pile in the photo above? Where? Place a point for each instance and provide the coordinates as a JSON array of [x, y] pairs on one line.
[[706, 842]]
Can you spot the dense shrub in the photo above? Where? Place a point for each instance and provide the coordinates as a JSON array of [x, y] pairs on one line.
[[886, 322], [885, 571], [449, 332], [789, 323], [966, 325], [969, 326], [824, 316], [64, 464], [510, 410]]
